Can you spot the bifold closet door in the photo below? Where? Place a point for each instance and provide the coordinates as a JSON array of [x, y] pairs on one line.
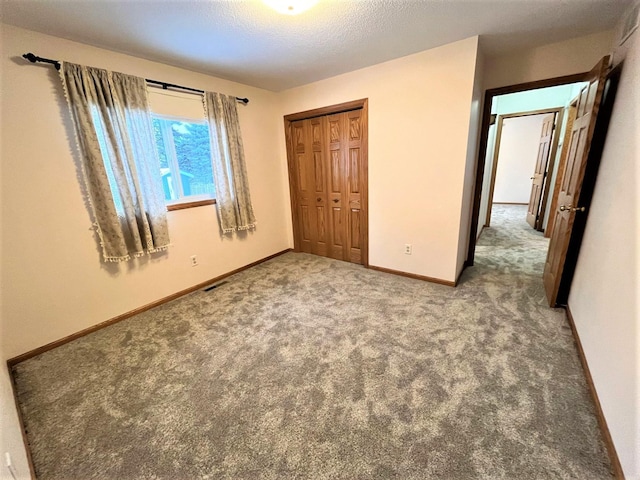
[[309, 153], [344, 132], [327, 153]]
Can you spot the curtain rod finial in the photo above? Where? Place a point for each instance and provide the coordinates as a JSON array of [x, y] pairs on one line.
[[34, 59]]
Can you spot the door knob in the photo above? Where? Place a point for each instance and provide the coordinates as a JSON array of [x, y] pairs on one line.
[[563, 208], [319, 199], [336, 200]]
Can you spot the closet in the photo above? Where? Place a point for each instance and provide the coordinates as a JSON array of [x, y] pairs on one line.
[[327, 157]]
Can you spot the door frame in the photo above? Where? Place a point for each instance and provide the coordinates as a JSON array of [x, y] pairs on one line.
[[484, 137], [590, 174], [361, 104], [550, 162]]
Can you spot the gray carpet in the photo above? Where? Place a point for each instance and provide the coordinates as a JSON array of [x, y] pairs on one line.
[[310, 368]]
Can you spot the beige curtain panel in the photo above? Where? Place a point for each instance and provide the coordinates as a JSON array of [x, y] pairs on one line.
[[120, 161], [233, 200]]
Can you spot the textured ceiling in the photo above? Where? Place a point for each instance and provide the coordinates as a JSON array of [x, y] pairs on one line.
[[247, 42]]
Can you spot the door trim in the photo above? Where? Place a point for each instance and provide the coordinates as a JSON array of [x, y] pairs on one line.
[[550, 164], [484, 136], [361, 104], [330, 110]]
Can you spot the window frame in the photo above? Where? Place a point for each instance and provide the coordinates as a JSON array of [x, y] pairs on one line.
[[182, 202]]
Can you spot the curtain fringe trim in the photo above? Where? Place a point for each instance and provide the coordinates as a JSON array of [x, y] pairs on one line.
[[251, 226], [126, 258], [158, 249]]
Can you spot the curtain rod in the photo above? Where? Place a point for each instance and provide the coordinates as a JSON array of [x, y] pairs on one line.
[[34, 58]]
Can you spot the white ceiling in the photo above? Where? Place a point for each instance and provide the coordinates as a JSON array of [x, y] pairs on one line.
[[247, 42]]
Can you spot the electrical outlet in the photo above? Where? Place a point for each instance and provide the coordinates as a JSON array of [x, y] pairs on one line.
[[194, 260], [408, 248]]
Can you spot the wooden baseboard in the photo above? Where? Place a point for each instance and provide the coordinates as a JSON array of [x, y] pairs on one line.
[[413, 275], [37, 351], [606, 435]]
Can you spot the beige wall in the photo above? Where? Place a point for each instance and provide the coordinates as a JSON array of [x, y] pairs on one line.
[[419, 110], [475, 120], [554, 60], [10, 433], [605, 292], [53, 281], [519, 142]]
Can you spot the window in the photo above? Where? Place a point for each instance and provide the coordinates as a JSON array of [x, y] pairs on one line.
[[185, 159], [182, 136]]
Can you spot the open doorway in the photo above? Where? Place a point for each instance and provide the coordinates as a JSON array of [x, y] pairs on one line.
[[586, 141], [524, 142]]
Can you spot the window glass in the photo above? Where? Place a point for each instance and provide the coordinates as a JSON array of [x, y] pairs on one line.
[[107, 154], [185, 158]]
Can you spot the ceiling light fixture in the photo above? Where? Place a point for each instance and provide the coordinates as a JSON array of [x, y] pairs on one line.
[[290, 7]]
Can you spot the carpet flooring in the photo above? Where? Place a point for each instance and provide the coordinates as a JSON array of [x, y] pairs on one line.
[[309, 368]]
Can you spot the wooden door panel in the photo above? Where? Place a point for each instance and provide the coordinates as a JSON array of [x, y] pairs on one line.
[[355, 228], [561, 168], [337, 226], [336, 171], [571, 184], [544, 148], [306, 239], [570, 180], [318, 169], [336, 188], [573, 147], [582, 102], [302, 172], [355, 235], [321, 231], [533, 203], [304, 231], [555, 252], [298, 135], [316, 133], [317, 148], [354, 171], [334, 129], [354, 126], [337, 240], [310, 188]]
